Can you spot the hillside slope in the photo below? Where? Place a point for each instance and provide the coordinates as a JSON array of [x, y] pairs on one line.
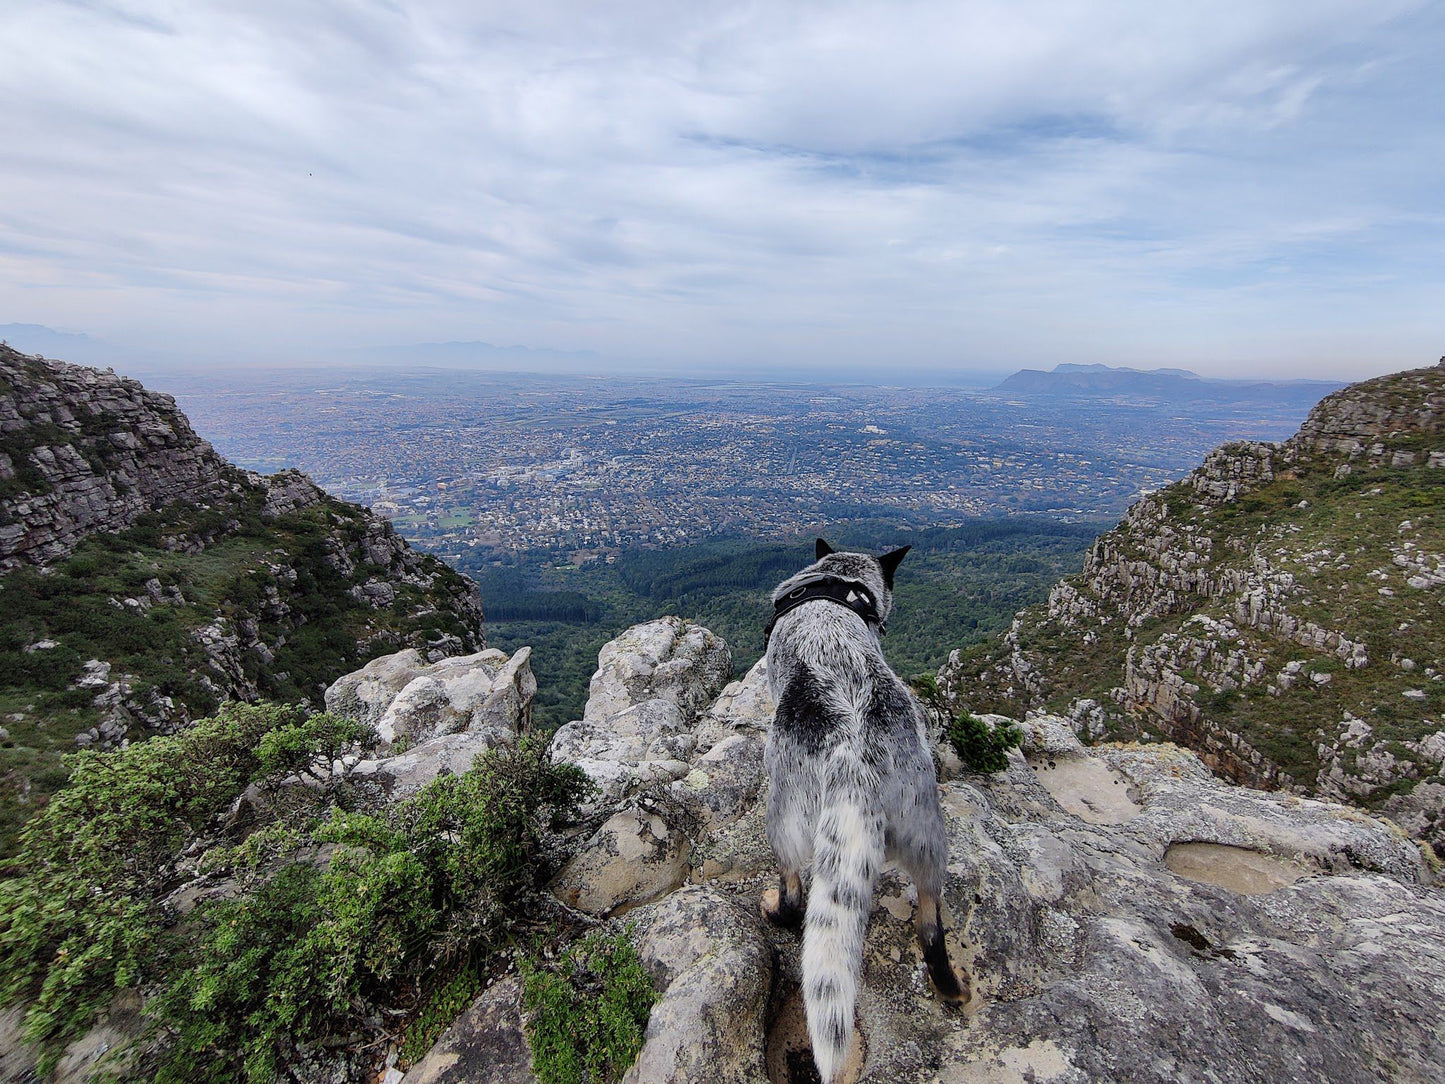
[[1278, 610], [143, 579]]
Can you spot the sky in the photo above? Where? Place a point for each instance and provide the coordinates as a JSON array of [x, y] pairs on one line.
[[1241, 188]]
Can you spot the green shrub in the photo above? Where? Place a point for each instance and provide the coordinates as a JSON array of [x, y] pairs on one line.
[[80, 912], [310, 748], [411, 893], [587, 1012], [981, 747]]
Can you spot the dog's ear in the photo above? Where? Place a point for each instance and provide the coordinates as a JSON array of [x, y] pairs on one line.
[[822, 549], [890, 563]]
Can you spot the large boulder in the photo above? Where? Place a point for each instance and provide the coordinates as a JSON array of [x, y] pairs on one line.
[[435, 718], [366, 693], [651, 684], [710, 960], [410, 701], [687, 778], [634, 858], [485, 1045]]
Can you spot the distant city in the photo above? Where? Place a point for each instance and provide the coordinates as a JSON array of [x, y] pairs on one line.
[[588, 467]]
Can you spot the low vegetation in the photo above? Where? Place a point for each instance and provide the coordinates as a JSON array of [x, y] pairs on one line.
[[981, 746], [138, 599], [268, 921], [587, 1011]]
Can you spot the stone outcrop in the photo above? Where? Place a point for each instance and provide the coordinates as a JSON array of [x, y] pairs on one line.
[[435, 719], [651, 683], [83, 450], [1125, 916], [1255, 608], [410, 701]]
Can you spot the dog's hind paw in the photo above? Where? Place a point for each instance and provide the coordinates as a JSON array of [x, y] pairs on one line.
[[777, 911], [953, 992]]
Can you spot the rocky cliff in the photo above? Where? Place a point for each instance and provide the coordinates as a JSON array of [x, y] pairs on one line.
[[82, 450], [1126, 917], [1278, 610], [144, 579], [1124, 914]]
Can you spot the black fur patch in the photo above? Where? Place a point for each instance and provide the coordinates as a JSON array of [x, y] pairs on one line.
[[802, 714]]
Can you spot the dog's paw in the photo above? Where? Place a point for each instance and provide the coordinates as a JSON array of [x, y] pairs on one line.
[[954, 991], [776, 910]]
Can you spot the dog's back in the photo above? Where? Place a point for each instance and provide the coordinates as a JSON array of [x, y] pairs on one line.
[[852, 783]]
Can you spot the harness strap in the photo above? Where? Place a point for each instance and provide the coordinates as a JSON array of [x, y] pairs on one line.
[[846, 593]]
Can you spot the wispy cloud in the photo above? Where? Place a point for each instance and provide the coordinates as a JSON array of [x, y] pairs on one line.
[[918, 184]]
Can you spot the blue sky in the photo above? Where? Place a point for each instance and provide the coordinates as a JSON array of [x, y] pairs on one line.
[[1239, 188]]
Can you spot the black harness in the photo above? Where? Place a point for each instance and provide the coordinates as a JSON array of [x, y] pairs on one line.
[[849, 594]]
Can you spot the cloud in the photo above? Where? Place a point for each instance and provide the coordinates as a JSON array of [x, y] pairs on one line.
[[920, 183]]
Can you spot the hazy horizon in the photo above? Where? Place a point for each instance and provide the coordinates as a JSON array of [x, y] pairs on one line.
[[919, 192]]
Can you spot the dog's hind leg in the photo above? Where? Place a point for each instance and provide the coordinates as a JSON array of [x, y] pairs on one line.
[[923, 853], [791, 811], [787, 822], [783, 906], [950, 983]]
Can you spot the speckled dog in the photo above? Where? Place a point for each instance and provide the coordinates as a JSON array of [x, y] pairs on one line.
[[853, 784]]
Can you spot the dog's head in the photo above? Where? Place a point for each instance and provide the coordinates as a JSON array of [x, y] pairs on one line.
[[875, 574]]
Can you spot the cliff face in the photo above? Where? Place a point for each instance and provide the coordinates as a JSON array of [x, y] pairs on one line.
[[83, 451], [1123, 914], [143, 579], [1278, 610]]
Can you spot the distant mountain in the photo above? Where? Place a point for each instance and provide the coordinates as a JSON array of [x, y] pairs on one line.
[[39, 339], [1164, 385], [144, 579], [1278, 611]]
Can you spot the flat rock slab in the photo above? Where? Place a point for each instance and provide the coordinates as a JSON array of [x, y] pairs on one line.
[[1088, 788], [1235, 868]]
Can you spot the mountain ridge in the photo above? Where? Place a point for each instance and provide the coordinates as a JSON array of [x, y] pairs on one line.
[[1085, 381], [1276, 610], [145, 579]]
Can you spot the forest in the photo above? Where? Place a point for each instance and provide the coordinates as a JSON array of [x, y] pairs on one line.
[[957, 586]]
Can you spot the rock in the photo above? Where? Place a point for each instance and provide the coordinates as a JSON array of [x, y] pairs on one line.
[[105, 451], [744, 706], [440, 716], [105, 1048], [405, 699], [723, 783], [712, 966], [407, 772], [486, 1044], [365, 694], [634, 858], [669, 659], [651, 684]]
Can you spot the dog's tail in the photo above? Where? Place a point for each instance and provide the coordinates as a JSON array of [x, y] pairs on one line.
[[848, 855]]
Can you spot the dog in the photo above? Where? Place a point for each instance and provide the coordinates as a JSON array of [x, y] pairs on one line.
[[852, 784]]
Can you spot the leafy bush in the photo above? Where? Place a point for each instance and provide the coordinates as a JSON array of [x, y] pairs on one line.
[[410, 892], [587, 1013], [80, 913], [982, 747], [411, 895], [311, 748]]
